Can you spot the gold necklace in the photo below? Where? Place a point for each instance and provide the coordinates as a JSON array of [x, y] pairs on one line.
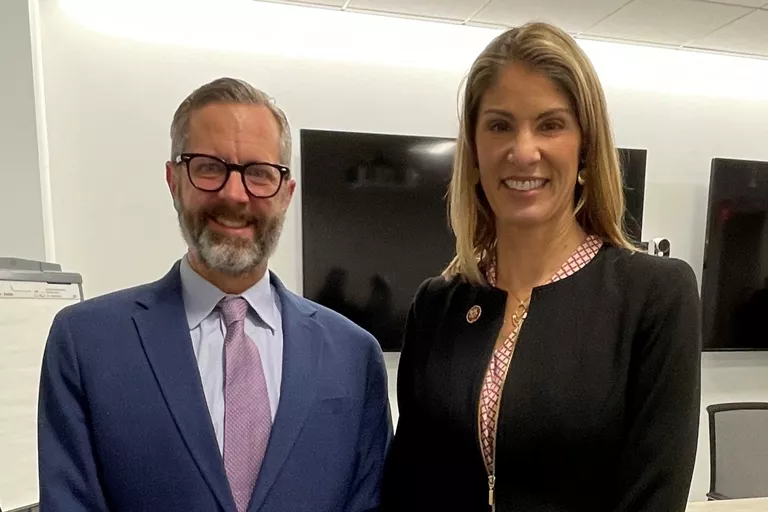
[[519, 313]]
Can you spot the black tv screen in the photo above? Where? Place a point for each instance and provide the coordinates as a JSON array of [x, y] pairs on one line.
[[633, 171], [734, 284], [375, 224]]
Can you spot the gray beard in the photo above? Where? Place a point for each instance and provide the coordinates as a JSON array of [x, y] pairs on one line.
[[233, 256]]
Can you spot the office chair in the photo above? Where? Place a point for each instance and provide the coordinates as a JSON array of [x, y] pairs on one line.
[[738, 450]]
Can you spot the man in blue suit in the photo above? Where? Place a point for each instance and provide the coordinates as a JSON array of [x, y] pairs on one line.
[[214, 388]]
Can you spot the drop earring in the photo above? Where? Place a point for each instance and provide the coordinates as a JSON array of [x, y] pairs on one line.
[[581, 177]]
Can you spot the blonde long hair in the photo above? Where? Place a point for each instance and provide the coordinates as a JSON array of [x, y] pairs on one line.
[[599, 205]]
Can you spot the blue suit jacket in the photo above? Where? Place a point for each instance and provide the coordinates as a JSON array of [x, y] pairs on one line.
[[124, 426]]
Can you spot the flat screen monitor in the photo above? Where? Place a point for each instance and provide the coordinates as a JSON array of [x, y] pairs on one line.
[[633, 162], [734, 284], [375, 224]]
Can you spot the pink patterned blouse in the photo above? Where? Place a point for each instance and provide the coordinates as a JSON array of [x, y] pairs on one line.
[[502, 356]]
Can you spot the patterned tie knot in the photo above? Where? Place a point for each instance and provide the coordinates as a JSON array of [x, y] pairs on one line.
[[233, 309]]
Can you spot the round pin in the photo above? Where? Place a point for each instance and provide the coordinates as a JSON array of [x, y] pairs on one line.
[[473, 314]]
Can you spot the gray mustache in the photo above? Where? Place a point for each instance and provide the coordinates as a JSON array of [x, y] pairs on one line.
[[222, 211]]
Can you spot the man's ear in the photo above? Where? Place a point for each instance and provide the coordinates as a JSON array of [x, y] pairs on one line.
[[170, 177], [290, 184]]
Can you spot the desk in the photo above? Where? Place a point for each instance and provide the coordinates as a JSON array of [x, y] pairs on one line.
[[756, 505]]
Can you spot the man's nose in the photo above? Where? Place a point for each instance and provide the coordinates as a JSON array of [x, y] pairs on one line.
[[234, 189]]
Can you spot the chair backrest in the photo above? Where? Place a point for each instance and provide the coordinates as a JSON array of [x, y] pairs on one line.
[[738, 445]]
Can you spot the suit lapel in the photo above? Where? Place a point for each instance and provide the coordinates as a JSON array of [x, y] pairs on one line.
[[297, 391], [165, 337]]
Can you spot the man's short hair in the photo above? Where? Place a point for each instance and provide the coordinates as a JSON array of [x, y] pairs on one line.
[[227, 90]]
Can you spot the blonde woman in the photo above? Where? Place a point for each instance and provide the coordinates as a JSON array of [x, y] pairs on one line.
[[551, 367]]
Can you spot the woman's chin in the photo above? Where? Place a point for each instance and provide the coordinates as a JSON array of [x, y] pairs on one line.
[[528, 219]]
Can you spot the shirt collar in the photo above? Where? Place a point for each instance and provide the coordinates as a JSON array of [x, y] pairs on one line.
[[578, 260], [201, 297]]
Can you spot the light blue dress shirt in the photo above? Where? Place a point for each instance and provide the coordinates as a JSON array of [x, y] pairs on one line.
[[263, 324]]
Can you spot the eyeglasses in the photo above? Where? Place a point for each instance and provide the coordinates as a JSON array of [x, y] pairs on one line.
[[210, 174]]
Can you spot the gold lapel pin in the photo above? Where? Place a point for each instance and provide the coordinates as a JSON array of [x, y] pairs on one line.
[[473, 314]]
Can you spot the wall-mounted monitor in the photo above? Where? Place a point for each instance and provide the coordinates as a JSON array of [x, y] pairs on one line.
[[633, 163], [375, 225], [735, 274]]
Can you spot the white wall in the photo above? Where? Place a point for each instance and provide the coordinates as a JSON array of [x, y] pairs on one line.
[[110, 101], [21, 214]]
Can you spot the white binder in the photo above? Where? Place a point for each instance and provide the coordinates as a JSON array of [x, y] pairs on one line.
[[31, 293]]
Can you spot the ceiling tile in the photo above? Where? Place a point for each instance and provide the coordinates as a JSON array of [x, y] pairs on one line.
[[567, 14], [446, 9], [327, 3], [746, 35], [743, 3], [666, 21]]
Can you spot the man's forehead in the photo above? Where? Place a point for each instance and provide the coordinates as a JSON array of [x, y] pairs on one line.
[[221, 128], [232, 115]]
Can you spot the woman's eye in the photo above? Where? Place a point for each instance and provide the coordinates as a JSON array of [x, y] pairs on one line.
[[551, 126], [498, 126]]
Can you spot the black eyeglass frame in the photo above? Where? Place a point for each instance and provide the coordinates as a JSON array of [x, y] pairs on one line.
[[185, 158]]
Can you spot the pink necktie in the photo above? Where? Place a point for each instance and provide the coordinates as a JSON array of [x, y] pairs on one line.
[[247, 415]]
